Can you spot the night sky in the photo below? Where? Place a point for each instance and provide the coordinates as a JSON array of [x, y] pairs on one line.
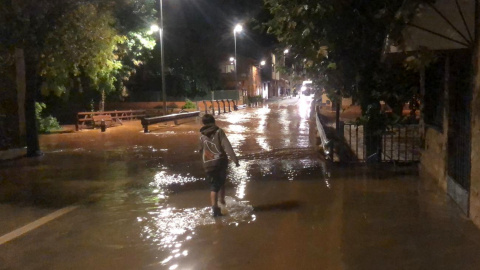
[[215, 19]]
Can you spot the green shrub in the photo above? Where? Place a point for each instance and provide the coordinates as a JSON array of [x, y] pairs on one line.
[[189, 104], [45, 124]]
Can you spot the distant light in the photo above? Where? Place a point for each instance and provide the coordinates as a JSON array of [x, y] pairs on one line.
[[154, 28], [238, 28], [286, 51], [262, 63], [232, 59]]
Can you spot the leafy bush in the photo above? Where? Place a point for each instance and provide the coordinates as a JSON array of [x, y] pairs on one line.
[[189, 104], [45, 124]]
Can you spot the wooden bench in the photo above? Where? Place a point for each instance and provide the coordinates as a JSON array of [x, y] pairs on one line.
[[84, 118]]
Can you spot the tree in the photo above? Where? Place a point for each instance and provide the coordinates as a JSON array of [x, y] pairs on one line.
[[70, 45], [340, 44]]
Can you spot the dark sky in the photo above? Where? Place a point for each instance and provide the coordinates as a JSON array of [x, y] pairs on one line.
[[216, 19]]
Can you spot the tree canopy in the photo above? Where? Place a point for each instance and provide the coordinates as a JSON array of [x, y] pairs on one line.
[[340, 44]]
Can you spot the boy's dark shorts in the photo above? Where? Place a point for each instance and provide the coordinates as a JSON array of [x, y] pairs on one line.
[[217, 179]]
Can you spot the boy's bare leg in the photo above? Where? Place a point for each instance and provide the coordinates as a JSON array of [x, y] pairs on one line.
[[214, 198], [222, 194]]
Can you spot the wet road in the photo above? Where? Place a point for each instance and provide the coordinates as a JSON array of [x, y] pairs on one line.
[[143, 204]]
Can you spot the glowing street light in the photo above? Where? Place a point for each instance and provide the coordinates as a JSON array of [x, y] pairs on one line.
[[155, 28], [238, 28], [262, 63]]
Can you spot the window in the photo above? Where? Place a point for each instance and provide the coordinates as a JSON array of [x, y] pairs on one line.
[[228, 68]]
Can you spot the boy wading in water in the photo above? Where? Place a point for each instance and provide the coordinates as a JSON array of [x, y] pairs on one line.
[[214, 147]]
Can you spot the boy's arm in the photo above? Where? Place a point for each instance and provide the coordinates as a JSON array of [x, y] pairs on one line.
[[200, 145], [227, 147]]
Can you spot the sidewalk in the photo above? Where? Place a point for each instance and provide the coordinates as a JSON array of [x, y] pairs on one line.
[[12, 153]]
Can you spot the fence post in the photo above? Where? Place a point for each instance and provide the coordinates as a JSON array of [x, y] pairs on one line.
[[219, 110], [76, 123], [206, 106], [224, 108]]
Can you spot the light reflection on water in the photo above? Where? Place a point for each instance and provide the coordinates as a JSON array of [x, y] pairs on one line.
[[262, 141], [162, 178], [275, 152], [236, 140], [304, 107], [170, 228], [236, 118], [236, 128]]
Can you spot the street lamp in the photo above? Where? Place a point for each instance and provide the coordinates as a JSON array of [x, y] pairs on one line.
[[262, 63], [238, 28], [155, 28]]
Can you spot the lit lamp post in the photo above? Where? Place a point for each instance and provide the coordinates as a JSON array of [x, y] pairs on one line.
[[285, 52], [262, 64], [238, 28], [155, 28]]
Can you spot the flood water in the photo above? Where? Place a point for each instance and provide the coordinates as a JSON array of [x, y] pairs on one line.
[[144, 203]]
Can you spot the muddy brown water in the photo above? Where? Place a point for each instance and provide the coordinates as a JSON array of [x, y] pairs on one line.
[[144, 204]]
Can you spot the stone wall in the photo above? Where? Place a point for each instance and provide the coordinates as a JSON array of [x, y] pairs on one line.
[[119, 106], [475, 161], [433, 160]]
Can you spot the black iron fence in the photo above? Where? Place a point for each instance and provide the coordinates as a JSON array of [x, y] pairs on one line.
[[400, 143]]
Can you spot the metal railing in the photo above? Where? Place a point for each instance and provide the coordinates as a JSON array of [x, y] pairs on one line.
[[221, 103], [171, 117], [327, 144], [354, 135], [399, 143]]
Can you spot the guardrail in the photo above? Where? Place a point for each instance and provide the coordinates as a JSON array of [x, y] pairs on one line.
[[327, 144], [117, 116], [171, 117]]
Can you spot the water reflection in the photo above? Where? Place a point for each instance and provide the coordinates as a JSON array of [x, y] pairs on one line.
[[236, 140], [171, 228], [262, 141], [162, 178], [304, 107], [274, 145], [236, 128]]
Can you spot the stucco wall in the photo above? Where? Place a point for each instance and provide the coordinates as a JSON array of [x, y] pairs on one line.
[[433, 160]]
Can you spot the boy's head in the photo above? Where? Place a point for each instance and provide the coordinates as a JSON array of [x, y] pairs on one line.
[[208, 119]]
